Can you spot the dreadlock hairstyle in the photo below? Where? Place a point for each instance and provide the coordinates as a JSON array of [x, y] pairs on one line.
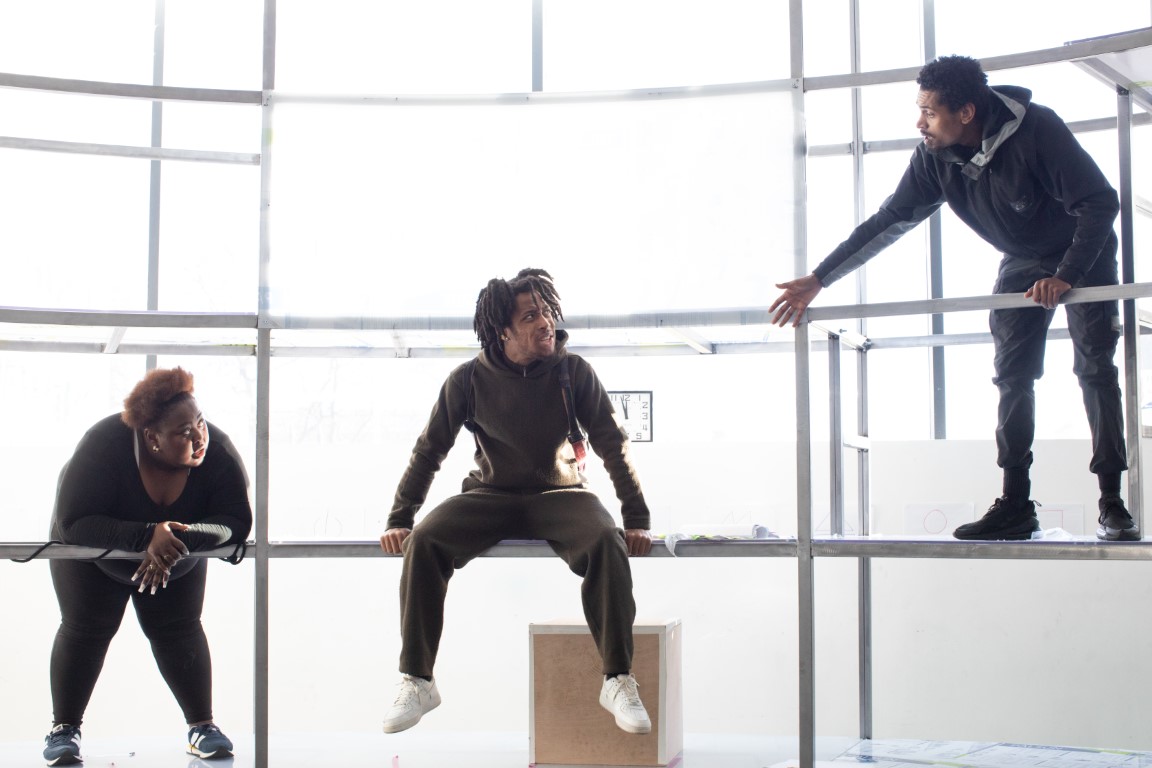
[[497, 302], [956, 81]]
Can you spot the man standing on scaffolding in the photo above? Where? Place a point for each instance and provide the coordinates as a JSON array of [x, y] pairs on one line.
[[1012, 171]]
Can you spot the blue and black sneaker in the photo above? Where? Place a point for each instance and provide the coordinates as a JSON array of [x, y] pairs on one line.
[[62, 745], [208, 742]]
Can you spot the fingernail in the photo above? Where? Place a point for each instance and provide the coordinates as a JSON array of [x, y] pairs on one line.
[[141, 587], [135, 576], [153, 589]]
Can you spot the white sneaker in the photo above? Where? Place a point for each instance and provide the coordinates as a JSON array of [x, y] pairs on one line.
[[621, 696], [415, 698]]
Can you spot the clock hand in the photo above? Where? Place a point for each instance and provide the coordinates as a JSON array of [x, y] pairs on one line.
[[624, 407]]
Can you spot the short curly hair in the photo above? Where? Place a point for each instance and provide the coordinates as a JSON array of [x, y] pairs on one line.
[[956, 81], [153, 395]]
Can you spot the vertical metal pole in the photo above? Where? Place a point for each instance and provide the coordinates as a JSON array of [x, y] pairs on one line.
[[260, 581], [857, 150], [260, 602], [537, 46], [1131, 323], [936, 276], [835, 440], [935, 262], [154, 171], [805, 572], [864, 568], [806, 629]]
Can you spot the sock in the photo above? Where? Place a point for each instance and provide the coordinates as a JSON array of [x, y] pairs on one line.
[[1017, 485], [1109, 484]]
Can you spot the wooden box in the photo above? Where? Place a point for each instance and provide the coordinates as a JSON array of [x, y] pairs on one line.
[[568, 727]]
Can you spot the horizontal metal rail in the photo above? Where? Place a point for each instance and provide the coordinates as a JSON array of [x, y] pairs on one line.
[[129, 90], [983, 550], [125, 150], [972, 303], [1071, 52], [873, 546], [127, 318], [691, 318], [360, 549]]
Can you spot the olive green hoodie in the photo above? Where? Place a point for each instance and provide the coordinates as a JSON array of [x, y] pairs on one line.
[[521, 431]]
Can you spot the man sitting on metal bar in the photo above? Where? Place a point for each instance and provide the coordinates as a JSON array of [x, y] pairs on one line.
[[1012, 171], [526, 401]]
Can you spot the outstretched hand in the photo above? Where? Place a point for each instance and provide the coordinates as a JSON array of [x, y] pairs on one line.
[[798, 294]]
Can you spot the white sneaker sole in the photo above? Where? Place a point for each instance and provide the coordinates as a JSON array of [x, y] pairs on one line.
[[403, 725], [624, 724]]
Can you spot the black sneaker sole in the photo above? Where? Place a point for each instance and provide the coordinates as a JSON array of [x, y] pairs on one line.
[[67, 760], [1117, 534], [1019, 532]]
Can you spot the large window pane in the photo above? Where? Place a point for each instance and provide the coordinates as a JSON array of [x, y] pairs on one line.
[[211, 127], [214, 43], [70, 117], [75, 232], [827, 38], [1073, 93], [209, 237], [890, 34], [900, 392], [360, 418], [962, 25], [413, 208], [366, 46], [62, 395], [830, 218], [592, 45], [80, 39]]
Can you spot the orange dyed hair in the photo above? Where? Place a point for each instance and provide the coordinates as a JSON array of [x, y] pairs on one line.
[[150, 399]]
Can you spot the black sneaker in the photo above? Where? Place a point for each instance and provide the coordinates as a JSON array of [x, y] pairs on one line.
[[1005, 519], [1115, 522], [62, 745], [208, 742]]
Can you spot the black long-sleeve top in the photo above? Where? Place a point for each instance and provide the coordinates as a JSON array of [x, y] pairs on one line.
[[101, 500]]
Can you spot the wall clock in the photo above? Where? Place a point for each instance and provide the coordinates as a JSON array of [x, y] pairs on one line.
[[634, 413]]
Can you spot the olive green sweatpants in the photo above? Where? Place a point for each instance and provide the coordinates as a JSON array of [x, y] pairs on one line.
[[572, 520]]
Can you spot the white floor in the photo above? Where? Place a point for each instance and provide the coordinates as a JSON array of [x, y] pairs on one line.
[[411, 749], [510, 750]]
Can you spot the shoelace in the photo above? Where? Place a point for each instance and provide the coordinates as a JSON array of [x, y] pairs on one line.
[[630, 690], [61, 735], [409, 690]]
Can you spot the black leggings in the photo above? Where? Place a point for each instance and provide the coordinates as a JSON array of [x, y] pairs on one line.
[[91, 608]]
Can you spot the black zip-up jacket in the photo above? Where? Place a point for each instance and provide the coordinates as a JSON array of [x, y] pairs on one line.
[[1030, 190]]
